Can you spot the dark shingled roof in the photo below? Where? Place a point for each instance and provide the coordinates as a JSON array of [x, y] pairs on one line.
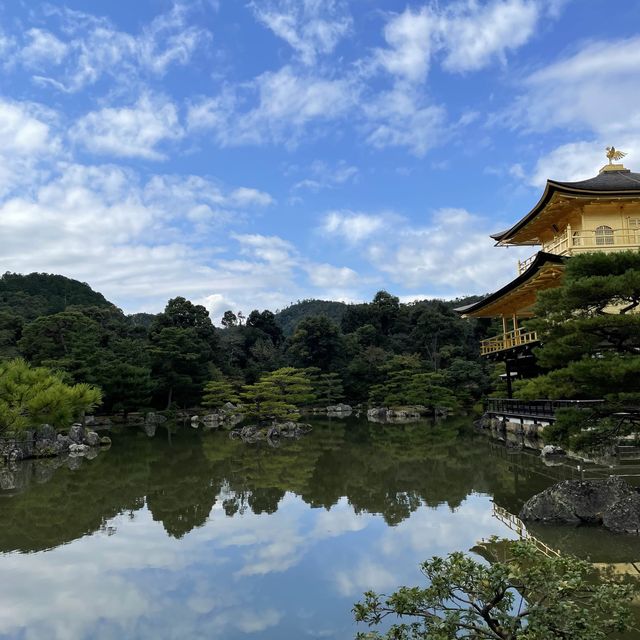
[[622, 183], [606, 181], [539, 261]]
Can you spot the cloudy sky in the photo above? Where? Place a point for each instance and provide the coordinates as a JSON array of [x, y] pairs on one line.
[[247, 154]]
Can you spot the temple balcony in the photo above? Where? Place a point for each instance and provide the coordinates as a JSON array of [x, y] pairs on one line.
[[508, 340], [603, 238]]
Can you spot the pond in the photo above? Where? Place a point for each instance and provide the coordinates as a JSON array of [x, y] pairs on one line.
[[194, 535]]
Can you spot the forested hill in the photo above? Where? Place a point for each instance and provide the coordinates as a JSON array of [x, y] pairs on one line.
[[289, 318], [42, 294], [368, 352]]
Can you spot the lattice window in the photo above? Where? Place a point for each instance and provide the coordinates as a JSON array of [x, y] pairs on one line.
[[604, 235]]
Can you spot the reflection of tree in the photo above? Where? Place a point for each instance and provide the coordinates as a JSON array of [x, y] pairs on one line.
[[181, 491], [64, 505], [389, 470]]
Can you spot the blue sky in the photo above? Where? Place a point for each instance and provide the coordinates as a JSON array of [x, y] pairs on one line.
[[250, 154]]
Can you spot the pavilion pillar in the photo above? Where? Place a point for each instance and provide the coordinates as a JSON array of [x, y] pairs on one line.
[[507, 364]]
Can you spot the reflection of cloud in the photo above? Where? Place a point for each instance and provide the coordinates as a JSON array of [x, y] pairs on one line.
[[428, 532], [232, 576], [338, 520], [366, 575]]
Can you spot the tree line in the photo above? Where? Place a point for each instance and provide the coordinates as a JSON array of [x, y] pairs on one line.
[[383, 351]]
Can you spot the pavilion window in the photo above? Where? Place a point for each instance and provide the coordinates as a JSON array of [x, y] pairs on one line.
[[604, 235]]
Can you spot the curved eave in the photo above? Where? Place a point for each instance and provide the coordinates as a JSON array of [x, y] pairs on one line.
[[542, 259], [562, 188]]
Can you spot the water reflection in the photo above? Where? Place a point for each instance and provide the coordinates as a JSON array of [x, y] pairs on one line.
[[203, 536]]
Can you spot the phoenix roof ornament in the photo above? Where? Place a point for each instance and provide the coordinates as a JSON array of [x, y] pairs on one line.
[[614, 154]]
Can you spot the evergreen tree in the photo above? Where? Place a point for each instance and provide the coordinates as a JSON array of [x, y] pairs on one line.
[[278, 395], [590, 337], [30, 396], [219, 392], [316, 342]]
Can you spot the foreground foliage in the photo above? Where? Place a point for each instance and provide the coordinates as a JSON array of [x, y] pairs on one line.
[[521, 595], [30, 396], [590, 331]]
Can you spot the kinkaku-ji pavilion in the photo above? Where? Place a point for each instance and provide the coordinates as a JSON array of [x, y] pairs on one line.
[[598, 214]]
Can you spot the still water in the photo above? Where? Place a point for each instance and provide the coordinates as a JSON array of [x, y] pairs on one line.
[[194, 535]]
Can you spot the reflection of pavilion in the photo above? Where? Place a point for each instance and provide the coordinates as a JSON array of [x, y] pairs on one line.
[[513, 522]]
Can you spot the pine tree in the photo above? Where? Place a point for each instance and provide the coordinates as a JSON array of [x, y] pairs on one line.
[[219, 392], [30, 396]]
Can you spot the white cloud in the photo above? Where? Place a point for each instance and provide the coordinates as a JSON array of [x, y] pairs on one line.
[[328, 276], [129, 131], [271, 249], [401, 118], [286, 103], [310, 27], [139, 243], [351, 226], [92, 47], [451, 252], [597, 88], [473, 34], [468, 34], [578, 160], [410, 38], [325, 176], [44, 48], [27, 138], [596, 93]]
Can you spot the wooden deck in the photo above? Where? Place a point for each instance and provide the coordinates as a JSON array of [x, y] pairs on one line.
[[509, 340]]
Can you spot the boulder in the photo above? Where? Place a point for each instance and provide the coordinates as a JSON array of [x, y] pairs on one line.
[[78, 449], [229, 406], [612, 503], [76, 433], [62, 444], [92, 439], [340, 408], [154, 418], [552, 450], [195, 421], [46, 433], [105, 441]]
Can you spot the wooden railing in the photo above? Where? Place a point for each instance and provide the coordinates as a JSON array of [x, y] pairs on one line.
[[570, 242], [507, 341], [535, 408], [523, 265]]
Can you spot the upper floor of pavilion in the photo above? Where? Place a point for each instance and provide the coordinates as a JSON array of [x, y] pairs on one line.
[[598, 214]]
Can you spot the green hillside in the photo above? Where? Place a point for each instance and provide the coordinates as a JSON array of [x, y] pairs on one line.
[[289, 318], [42, 294]]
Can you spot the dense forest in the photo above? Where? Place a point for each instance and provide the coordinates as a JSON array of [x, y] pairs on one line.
[[382, 351]]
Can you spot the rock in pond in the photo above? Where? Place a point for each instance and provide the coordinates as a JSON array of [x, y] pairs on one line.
[[78, 449], [92, 439], [552, 450], [612, 503], [76, 433]]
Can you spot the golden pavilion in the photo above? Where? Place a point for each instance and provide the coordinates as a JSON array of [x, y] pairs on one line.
[[598, 214]]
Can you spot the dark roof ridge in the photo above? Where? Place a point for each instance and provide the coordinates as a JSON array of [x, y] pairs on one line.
[[619, 183], [540, 260]]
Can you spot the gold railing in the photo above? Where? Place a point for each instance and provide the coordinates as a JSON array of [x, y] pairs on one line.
[[507, 341], [523, 265], [515, 524], [558, 244], [605, 239], [568, 243]]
